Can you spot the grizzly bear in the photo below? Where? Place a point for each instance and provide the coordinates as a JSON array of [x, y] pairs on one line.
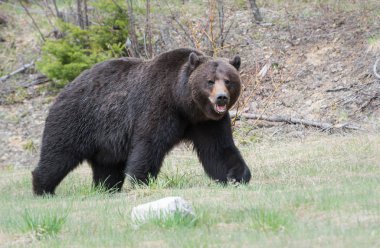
[[124, 115]]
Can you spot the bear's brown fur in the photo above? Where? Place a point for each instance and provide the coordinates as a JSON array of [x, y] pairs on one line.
[[124, 115]]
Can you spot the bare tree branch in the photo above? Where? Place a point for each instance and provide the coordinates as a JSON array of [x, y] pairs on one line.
[[375, 69], [119, 7], [174, 18], [48, 7], [227, 32], [31, 17], [45, 9], [368, 102]]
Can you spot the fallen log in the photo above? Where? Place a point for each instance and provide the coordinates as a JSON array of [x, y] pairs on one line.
[[21, 69], [41, 79], [292, 120], [38, 81]]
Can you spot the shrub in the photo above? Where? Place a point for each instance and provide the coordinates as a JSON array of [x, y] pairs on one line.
[[64, 59]]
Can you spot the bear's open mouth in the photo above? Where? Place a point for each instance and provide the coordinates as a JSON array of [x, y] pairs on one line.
[[220, 109]]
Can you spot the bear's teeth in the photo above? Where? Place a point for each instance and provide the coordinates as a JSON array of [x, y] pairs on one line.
[[220, 109]]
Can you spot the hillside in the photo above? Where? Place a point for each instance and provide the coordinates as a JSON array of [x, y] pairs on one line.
[[307, 60]]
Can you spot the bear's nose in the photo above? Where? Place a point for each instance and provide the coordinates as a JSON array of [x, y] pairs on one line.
[[222, 99]]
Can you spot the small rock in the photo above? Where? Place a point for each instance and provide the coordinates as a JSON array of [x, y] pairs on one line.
[[161, 208]]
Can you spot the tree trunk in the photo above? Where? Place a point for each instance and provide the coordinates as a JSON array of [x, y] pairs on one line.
[[79, 14], [221, 22], [132, 30], [255, 10], [86, 22], [148, 31], [59, 15]]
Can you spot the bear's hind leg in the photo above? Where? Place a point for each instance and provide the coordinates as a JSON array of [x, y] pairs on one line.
[[51, 170], [111, 177], [144, 162]]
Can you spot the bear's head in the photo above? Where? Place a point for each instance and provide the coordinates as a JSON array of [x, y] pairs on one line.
[[215, 84]]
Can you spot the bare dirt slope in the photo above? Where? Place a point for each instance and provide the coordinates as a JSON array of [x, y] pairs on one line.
[[321, 64], [319, 59]]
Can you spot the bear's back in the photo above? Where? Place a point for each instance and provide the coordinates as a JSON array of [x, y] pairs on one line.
[[124, 85]]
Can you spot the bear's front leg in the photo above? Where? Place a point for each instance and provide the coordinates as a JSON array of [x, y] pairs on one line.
[[217, 152]]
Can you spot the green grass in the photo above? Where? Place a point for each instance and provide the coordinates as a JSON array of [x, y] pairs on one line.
[[322, 191], [43, 225], [267, 220], [175, 221], [30, 146]]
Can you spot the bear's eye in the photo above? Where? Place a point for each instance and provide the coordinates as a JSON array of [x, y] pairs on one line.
[[227, 82], [210, 82]]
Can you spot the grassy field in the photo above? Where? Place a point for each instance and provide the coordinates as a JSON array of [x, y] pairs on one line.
[[322, 191]]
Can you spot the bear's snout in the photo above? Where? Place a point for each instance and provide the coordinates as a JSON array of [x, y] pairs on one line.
[[222, 99]]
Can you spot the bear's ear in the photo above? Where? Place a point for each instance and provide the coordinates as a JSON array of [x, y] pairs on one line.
[[193, 61], [235, 62]]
